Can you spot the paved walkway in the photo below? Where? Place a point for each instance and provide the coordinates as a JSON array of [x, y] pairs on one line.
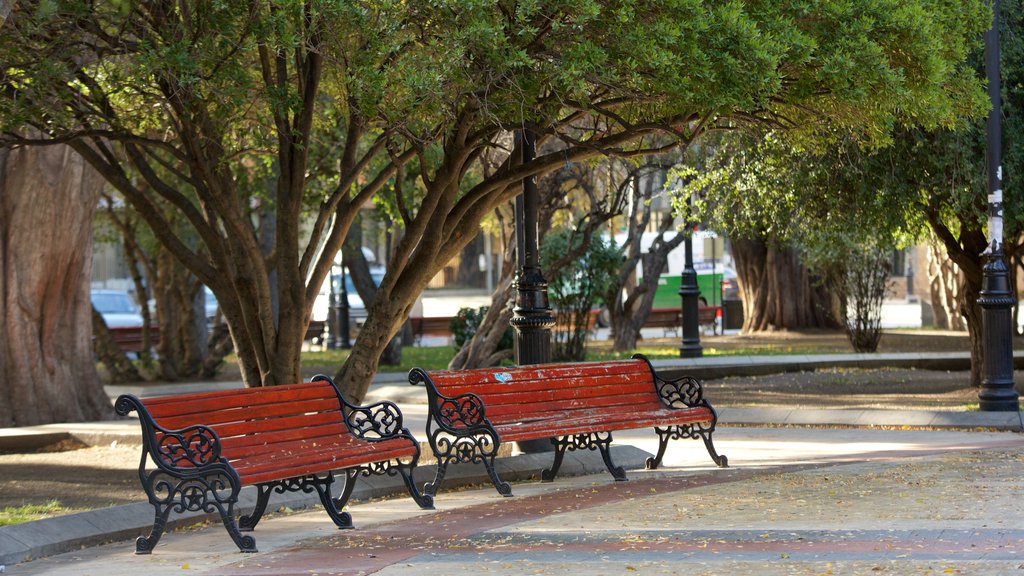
[[852, 499], [794, 501]]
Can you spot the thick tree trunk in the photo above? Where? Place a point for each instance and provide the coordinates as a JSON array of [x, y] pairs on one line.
[[778, 291], [47, 371]]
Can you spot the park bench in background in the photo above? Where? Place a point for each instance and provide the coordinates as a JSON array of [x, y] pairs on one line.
[[207, 446], [671, 319], [129, 338], [431, 326], [576, 405]]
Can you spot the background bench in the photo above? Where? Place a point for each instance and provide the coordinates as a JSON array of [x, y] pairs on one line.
[[671, 319], [206, 446], [576, 405], [431, 326], [129, 338]]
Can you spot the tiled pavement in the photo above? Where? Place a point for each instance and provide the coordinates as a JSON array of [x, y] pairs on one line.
[[840, 495], [794, 501]]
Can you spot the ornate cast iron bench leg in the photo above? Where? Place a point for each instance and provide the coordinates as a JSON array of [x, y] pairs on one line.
[[688, 431], [248, 522], [430, 488], [598, 440], [335, 506], [482, 447], [145, 544], [424, 501], [503, 488]]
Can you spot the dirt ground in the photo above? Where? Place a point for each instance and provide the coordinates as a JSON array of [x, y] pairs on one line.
[[99, 476]]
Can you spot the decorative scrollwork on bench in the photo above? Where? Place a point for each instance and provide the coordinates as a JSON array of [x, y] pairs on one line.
[[208, 493], [464, 449], [592, 441], [685, 391], [191, 447], [587, 441], [465, 411], [380, 420]]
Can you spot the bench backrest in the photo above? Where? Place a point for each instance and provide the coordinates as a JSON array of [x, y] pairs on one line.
[[530, 392], [252, 420]]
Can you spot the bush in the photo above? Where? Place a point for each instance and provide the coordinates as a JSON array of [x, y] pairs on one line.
[[466, 322]]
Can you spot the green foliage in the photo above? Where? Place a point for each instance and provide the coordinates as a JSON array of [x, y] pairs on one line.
[[466, 322], [577, 287], [296, 107]]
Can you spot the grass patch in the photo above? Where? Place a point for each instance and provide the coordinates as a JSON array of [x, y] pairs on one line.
[[437, 357], [428, 357], [18, 514]]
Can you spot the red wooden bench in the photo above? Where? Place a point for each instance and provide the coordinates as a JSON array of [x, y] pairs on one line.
[[207, 446], [575, 405]]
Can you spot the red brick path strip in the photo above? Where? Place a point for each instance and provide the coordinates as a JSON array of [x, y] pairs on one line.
[[448, 532], [367, 550]]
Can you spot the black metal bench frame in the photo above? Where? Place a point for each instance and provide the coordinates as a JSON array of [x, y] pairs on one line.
[[459, 431], [192, 475]]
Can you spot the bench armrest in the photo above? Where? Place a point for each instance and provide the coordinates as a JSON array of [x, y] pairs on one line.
[[458, 413], [682, 392], [179, 452], [685, 391], [379, 420], [452, 414]]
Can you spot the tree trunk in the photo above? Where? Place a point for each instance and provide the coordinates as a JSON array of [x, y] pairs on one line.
[[482, 350], [778, 291], [945, 283], [47, 372], [971, 311], [119, 368]]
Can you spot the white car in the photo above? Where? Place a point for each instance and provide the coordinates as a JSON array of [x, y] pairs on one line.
[[117, 307], [356, 308]]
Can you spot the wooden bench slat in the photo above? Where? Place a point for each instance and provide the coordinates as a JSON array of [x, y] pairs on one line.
[[496, 389], [254, 393], [324, 454], [445, 379], [318, 462], [564, 408], [602, 423], [255, 442], [277, 424], [514, 397], [205, 402], [254, 416]]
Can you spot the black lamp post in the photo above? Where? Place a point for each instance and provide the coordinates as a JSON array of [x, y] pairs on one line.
[[332, 314], [689, 292], [997, 391], [337, 316], [532, 319], [531, 315], [343, 325]]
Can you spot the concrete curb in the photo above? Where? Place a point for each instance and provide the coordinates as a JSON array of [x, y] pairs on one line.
[[1007, 421], [711, 367], [32, 540]]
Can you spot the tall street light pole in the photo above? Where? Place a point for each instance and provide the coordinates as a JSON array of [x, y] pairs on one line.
[[997, 388], [689, 291], [531, 314]]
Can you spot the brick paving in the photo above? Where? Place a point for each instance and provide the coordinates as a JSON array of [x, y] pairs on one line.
[[795, 501]]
